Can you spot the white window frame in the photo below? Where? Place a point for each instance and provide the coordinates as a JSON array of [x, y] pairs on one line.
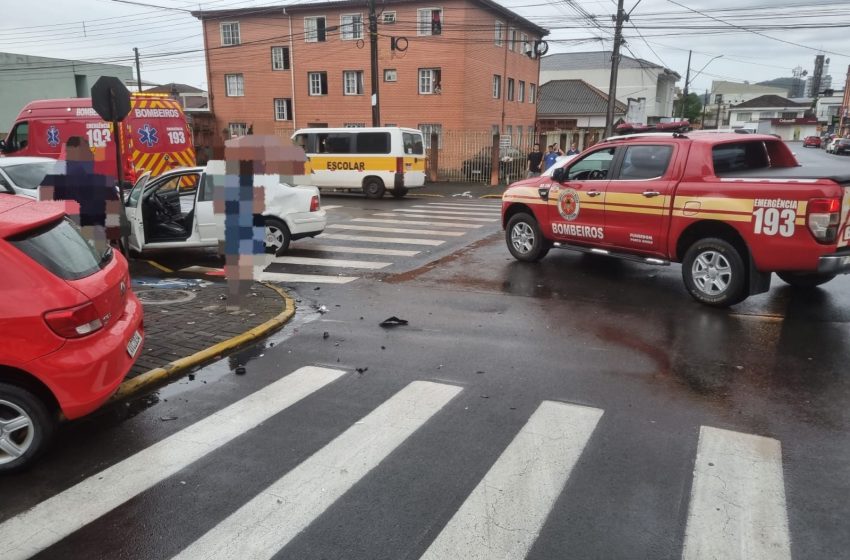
[[240, 126], [510, 91], [509, 37], [394, 74], [238, 38], [357, 83], [238, 83], [426, 136], [281, 108], [523, 42], [423, 29], [312, 35], [349, 32], [310, 84], [499, 33], [283, 59], [521, 92], [431, 81], [532, 93], [497, 86], [388, 21]]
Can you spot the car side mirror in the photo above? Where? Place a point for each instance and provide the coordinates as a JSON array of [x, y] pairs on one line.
[[559, 175]]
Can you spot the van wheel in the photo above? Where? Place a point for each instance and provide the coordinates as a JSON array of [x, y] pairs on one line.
[[26, 427], [399, 192], [277, 237], [524, 238], [714, 273], [374, 188], [805, 279]]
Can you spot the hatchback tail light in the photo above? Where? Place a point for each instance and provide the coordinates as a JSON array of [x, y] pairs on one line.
[[822, 217], [314, 204], [74, 322]]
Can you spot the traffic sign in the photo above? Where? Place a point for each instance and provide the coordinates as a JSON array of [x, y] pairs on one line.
[[110, 99], [505, 141]]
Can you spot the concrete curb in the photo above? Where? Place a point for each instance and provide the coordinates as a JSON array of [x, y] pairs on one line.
[[155, 376]]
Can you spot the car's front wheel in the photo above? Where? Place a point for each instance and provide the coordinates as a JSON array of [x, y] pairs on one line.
[[805, 279], [714, 273], [525, 239], [277, 237], [26, 427]]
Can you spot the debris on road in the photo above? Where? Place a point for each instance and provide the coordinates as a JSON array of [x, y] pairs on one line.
[[326, 335], [323, 309], [362, 370], [167, 418], [393, 322], [240, 370], [465, 194]]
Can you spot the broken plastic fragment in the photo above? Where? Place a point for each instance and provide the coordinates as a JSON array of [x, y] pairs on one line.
[[393, 322]]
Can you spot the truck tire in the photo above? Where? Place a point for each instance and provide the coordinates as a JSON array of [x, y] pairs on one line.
[[373, 188], [805, 279], [399, 192], [714, 273], [277, 237], [524, 238], [26, 427]]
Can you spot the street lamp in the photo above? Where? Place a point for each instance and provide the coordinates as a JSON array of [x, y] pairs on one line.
[[688, 79]]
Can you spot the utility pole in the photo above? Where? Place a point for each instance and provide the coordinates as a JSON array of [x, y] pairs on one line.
[[615, 65], [719, 99], [685, 93], [373, 46], [138, 72], [705, 101]]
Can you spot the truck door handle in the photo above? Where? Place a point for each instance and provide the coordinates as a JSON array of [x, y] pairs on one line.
[[650, 194], [593, 193]]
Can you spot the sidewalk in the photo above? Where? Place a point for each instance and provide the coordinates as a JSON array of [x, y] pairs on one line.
[[184, 316]]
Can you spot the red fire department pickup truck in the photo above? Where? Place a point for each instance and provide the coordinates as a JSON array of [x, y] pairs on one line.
[[731, 208]]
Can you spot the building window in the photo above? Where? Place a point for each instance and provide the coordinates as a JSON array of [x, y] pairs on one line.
[[388, 18], [351, 26], [532, 93], [390, 75], [494, 130], [791, 115], [429, 81], [500, 33], [519, 136], [429, 21], [280, 58], [427, 130], [230, 34], [523, 41], [509, 131], [234, 84], [352, 82], [314, 29], [354, 125], [317, 82], [237, 129], [521, 96], [510, 89], [497, 86], [513, 39], [283, 109], [744, 116], [772, 114]]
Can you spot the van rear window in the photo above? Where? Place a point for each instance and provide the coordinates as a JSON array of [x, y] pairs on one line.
[[373, 143], [60, 248], [413, 144]]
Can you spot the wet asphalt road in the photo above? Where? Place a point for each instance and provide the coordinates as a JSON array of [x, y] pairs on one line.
[[614, 336]]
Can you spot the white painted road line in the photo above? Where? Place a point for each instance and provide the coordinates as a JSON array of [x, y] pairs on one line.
[[472, 207], [417, 223], [432, 209], [312, 278], [313, 261], [409, 214], [737, 508], [379, 229], [504, 514], [400, 240], [52, 520], [262, 527], [331, 207], [360, 250]]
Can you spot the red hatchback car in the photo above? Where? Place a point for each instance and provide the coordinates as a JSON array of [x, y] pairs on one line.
[[813, 141], [70, 325]]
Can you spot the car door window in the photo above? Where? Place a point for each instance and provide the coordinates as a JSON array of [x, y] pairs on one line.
[[645, 162], [18, 139], [593, 167]]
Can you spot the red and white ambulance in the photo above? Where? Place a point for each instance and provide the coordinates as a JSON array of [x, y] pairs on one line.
[[155, 136]]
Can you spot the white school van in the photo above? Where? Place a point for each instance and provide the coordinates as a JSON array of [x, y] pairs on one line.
[[374, 160]]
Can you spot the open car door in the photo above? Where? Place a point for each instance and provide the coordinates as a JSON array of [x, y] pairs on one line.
[[133, 207]]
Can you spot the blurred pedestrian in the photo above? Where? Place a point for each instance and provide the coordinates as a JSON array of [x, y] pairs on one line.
[[535, 159], [551, 156], [573, 150]]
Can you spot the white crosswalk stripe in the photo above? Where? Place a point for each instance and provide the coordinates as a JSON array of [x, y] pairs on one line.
[[470, 209], [267, 276], [408, 213], [395, 240], [418, 223], [265, 524], [361, 250], [55, 518], [504, 514], [331, 207], [496, 205], [737, 509], [452, 211], [341, 263], [379, 229]]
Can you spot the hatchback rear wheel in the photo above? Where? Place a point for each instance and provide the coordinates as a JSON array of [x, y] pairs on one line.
[[26, 427]]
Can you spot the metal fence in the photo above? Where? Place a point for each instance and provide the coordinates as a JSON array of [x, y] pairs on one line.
[[468, 157]]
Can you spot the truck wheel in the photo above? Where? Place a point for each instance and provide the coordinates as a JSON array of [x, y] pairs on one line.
[[805, 279], [714, 273], [399, 192], [525, 240], [277, 237], [374, 188], [26, 427]]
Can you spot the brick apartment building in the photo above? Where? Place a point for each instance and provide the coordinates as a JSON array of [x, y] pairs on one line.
[[461, 65]]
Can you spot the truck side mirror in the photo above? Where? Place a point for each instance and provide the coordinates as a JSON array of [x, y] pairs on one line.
[[559, 175]]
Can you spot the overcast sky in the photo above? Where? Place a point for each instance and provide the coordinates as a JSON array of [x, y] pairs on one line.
[[660, 31]]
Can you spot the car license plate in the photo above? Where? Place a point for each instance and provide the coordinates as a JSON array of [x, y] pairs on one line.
[[133, 345]]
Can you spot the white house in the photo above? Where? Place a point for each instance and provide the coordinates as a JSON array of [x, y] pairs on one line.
[[650, 87], [773, 114], [735, 92], [828, 109]]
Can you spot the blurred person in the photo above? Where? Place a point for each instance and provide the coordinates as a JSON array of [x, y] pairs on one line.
[[535, 160]]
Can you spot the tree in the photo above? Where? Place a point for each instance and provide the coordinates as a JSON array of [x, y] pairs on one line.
[[693, 107]]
